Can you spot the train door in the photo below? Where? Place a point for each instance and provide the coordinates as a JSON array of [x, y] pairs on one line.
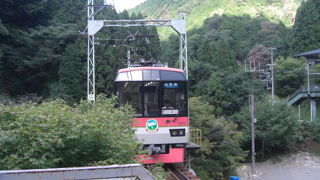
[[151, 99]]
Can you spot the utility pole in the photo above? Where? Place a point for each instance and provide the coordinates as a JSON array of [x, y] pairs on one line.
[[252, 107], [272, 75], [253, 121]]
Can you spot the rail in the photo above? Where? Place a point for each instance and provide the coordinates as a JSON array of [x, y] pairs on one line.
[[179, 172]]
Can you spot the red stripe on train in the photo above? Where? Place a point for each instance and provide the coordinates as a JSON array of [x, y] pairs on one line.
[[175, 155], [162, 121]]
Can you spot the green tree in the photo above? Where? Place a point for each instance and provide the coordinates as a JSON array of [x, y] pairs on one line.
[[220, 151], [34, 59], [198, 76], [290, 75], [276, 127], [224, 57], [228, 91], [306, 29], [71, 85]]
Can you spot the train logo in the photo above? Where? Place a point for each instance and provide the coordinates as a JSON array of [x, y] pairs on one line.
[[152, 125]]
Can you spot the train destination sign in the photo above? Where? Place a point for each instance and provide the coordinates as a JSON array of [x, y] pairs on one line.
[[171, 85]]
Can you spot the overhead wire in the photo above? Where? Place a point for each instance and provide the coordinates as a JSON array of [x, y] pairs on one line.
[[165, 8], [157, 7]]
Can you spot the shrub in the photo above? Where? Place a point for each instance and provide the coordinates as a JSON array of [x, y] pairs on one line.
[[54, 134], [276, 127], [220, 151]]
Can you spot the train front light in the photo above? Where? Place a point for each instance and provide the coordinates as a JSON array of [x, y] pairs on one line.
[[177, 132]]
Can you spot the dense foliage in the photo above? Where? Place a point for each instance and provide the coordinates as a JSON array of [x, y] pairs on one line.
[[306, 29], [54, 134], [276, 127], [43, 49], [228, 91], [218, 51], [290, 75], [220, 151]]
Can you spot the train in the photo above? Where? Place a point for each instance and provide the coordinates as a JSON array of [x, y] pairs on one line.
[[159, 96]]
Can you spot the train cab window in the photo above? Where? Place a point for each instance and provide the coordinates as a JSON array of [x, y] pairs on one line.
[[149, 75], [155, 98], [174, 100], [129, 93], [135, 75], [150, 99], [168, 76]]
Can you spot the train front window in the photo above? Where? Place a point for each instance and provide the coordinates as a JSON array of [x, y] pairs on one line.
[[155, 98], [174, 101], [129, 93]]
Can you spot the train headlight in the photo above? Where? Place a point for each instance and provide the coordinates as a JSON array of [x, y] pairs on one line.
[[177, 132], [174, 133], [181, 132]]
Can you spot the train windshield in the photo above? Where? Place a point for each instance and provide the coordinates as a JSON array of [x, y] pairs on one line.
[[155, 99]]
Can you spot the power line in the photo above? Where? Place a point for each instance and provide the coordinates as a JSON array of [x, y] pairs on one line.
[[164, 9], [157, 7]]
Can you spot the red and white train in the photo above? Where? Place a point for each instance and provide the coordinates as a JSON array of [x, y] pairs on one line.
[[160, 99]]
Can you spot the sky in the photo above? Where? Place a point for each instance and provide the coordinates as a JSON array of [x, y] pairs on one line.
[[120, 5]]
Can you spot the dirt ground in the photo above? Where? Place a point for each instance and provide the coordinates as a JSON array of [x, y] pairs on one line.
[[300, 166]]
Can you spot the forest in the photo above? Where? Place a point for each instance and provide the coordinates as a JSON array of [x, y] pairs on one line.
[[43, 71]]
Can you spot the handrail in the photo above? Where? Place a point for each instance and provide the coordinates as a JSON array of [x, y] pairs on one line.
[[195, 136], [94, 172], [313, 88]]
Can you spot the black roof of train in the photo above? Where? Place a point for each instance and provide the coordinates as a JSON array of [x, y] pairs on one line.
[[150, 74]]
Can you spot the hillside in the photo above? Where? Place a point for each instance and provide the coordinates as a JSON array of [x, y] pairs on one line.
[[274, 10]]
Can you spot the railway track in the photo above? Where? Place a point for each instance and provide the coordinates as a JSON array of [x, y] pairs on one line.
[[179, 172]]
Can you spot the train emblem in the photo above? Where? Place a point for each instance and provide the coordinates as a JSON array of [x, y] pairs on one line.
[[152, 126]]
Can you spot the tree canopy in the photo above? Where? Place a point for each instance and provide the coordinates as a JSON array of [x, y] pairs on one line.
[[306, 27], [42, 51]]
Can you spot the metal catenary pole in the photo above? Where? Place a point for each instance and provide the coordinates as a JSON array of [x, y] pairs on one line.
[[91, 58], [96, 25], [183, 47]]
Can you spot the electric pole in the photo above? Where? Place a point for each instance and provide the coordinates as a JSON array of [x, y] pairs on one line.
[[272, 74], [252, 107], [253, 121]]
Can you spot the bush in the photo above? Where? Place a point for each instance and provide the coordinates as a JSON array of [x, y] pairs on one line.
[[310, 131], [276, 127], [54, 134], [220, 151]]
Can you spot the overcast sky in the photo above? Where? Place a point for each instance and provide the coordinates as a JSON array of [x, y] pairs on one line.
[[120, 5]]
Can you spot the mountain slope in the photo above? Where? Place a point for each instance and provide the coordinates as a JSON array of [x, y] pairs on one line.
[[197, 11]]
